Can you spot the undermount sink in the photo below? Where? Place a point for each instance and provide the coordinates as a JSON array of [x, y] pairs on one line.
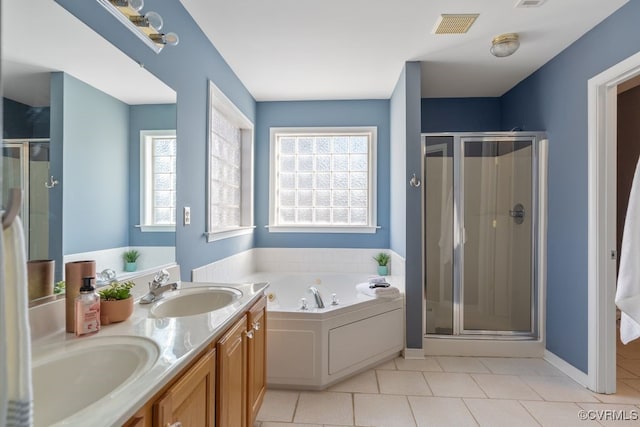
[[70, 377], [192, 301]]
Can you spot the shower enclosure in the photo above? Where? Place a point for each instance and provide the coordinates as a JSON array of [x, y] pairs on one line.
[[480, 219], [25, 165]]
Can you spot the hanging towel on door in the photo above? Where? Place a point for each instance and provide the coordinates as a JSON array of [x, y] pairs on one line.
[[16, 395], [628, 289]]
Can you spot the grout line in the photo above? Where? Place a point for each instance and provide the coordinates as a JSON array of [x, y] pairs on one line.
[[464, 402], [530, 413], [295, 407], [413, 416], [353, 409], [479, 386]]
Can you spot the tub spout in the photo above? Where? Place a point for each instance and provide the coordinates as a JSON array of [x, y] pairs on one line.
[[317, 296]]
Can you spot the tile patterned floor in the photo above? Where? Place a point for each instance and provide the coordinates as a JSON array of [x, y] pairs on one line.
[[460, 391]]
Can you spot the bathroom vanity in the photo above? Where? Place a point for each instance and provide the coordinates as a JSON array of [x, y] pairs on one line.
[[180, 369]]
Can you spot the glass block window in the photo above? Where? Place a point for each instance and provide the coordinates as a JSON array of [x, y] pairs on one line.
[[230, 168], [323, 178], [158, 180]]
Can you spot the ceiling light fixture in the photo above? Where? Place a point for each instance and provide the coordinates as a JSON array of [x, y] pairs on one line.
[[505, 45], [145, 26]]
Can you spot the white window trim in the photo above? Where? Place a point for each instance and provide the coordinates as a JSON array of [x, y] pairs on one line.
[[223, 104], [273, 227], [146, 184]]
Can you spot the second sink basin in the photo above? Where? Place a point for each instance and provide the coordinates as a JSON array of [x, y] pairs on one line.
[[192, 301]]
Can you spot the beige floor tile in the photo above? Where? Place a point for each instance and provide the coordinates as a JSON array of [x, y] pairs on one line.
[[499, 413], [609, 414], [558, 414], [387, 365], [559, 389], [278, 405], [271, 424], [505, 387], [366, 382], [623, 374], [462, 364], [453, 384], [382, 411], [520, 366], [426, 364], [403, 382], [324, 407], [625, 394], [440, 412]]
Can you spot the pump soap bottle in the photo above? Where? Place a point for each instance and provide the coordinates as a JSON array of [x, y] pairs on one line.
[[87, 311]]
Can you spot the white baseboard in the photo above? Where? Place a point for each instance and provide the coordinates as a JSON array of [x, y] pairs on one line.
[[413, 353], [571, 371]]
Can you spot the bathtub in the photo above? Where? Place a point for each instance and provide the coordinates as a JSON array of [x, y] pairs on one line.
[[315, 348]]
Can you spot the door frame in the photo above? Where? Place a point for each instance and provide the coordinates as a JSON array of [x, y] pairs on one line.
[[602, 151]]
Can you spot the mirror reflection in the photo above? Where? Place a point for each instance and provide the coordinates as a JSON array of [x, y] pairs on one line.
[[91, 143]]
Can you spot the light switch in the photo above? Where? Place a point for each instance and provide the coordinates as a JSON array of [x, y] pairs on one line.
[[186, 215]]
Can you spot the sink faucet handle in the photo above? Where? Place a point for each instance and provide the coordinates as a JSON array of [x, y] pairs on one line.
[[303, 304], [161, 277]]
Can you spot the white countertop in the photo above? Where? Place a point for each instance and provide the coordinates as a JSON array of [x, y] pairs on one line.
[[179, 340]]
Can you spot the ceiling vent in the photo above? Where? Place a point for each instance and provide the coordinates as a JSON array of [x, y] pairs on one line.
[[529, 3], [454, 24]]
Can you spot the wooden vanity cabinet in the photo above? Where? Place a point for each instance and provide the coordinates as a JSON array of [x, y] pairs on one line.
[[224, 387], [189, 401], [257, 359]]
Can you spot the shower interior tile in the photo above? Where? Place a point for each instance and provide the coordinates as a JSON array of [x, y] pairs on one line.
[[461, 364], [440, 411], [623, 374]]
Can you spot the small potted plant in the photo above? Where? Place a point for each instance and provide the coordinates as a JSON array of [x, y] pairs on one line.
[[130, 257], [383, 259], [116, 302]]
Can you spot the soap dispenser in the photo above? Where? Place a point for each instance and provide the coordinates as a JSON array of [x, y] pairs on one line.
[[87, 311]]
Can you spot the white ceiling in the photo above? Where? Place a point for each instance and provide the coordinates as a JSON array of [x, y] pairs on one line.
[[39, 36], [355, 49]]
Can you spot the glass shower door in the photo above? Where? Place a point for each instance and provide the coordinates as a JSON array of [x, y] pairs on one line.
[[497, 206]]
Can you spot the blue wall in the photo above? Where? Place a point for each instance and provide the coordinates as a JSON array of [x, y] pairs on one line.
[[318, 114], [145, 117], [406, 209], [461, 114], [555, 99], [95, 177], [186, 68], [23, 121]]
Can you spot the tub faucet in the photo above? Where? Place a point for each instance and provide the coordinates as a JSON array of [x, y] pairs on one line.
[[158, 287], [317, 296]]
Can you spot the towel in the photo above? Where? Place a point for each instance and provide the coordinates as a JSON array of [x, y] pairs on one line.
[[628, 289], [16, 395], [390, 292], [377, 279]]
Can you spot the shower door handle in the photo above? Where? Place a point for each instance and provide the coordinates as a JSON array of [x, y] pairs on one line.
[[517, 213]]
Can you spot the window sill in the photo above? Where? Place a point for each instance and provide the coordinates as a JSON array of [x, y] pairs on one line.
[[220, 235], [319, 229], [157, 228]]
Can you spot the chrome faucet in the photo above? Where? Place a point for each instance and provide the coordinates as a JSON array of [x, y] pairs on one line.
[[158, 287], [317, 296]]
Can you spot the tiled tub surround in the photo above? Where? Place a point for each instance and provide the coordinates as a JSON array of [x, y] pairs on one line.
[[179, 340], [314, 348]]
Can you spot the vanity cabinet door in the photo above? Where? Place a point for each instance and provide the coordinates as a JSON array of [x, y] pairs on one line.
[[257, 359], [190, 402], [232, 380]]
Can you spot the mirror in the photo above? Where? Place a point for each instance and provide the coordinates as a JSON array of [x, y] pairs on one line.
[[74, 107]]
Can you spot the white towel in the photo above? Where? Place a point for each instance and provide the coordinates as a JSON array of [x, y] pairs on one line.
[[628, 290], [389, 292], [16, 395]]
